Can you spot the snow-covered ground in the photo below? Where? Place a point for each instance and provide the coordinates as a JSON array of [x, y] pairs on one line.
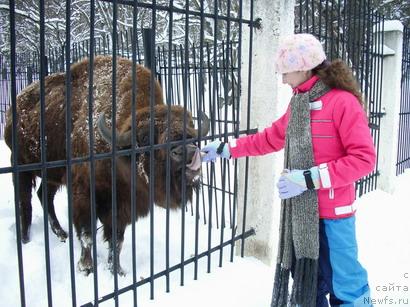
[[383, 228]]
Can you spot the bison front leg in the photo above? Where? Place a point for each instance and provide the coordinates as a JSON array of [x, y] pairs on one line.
[[54, 223], [85, 264], [114, 250]]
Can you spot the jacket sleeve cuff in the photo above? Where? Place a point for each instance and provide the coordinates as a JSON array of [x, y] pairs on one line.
[[324, 176], [233, 150]]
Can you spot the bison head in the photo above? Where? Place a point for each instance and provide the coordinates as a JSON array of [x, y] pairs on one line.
[[182, 150]]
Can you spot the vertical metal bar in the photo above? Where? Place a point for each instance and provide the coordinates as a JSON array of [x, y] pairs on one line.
[[236, 129], [133, 154], [15, 150], [43, 70], [307, 16], [354, 37], [122, 43], [83, 49], [233, 116], [359, 34], [148, 59], [338, 28], [248, 122], [371, 180], [344, 42], [68, 150], [326, 25], [168, 161], [114, 152], [177, 89], [152, 152], [373, 69], [320, 19], [183, 181], [368, 51], [214, 75], [93, 221], [380, 95], [197, 202], [364, 70], [300, 17], [50, 57], [331, 24], [224, 162], [127, 45], [313, 18]]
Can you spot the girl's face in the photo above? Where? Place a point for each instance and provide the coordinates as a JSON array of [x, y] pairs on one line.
[[296, 78]]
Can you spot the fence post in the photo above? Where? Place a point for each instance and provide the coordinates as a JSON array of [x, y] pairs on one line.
[[268, 100], [389, 125]]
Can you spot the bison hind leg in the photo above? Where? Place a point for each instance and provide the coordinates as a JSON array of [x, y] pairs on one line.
[[54, 223], [25, 187]]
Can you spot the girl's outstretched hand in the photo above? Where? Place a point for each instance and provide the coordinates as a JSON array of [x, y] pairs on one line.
[[215, 149]]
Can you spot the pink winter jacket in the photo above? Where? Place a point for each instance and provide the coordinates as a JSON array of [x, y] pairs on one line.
[[342, 147]]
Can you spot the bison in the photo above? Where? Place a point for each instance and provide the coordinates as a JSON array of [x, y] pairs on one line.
[[148, 119]]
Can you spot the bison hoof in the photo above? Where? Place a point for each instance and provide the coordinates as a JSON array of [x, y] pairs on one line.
[[59, 232], [62, 235], [25, 236], [85, 268], [120, 271]]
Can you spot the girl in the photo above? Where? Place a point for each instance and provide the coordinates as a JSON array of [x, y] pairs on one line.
[[328, 147]]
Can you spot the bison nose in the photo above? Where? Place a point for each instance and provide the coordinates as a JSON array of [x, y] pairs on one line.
[[177, 153]]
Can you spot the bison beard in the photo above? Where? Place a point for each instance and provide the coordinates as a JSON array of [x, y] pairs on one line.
[[28, 108]]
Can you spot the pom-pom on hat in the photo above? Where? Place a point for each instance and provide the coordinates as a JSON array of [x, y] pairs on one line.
[[299, 52]]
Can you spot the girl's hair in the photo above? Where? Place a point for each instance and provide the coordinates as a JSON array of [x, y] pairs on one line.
[[337, 74]]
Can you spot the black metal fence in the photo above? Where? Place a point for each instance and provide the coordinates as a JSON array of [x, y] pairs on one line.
[[201, 78], [403, 151], [352, 31]]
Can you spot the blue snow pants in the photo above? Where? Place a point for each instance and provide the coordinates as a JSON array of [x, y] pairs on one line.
[[340, 273]]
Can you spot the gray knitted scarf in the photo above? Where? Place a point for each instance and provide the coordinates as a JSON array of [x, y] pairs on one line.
[[299, 224]]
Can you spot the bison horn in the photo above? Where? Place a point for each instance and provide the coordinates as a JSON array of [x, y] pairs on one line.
[[122, 140], [205, 124]]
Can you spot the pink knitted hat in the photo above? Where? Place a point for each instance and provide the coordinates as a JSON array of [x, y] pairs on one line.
[[299, 52]]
